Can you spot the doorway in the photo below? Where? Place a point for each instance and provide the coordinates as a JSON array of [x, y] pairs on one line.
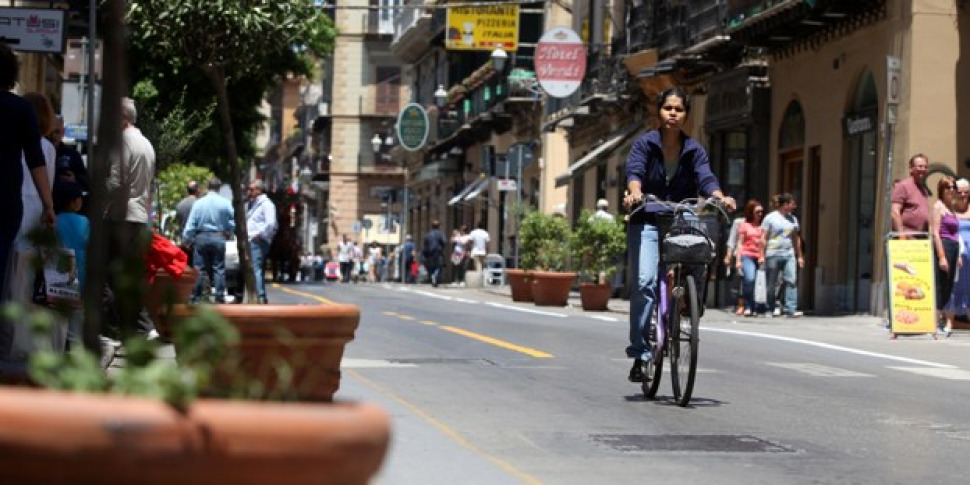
[[862, 181]]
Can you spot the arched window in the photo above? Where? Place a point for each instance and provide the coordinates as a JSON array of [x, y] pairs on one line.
[[792, 133]]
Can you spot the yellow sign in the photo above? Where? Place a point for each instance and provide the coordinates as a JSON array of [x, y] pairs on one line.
[[483, 27], [912, 292]]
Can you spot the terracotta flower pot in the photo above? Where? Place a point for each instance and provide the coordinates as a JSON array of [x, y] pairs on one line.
[[166, 290], [595, 297], [305, 340], [520, 283], [59, 437], [551, 288]]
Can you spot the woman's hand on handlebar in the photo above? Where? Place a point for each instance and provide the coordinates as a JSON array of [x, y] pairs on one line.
[[631, 199]]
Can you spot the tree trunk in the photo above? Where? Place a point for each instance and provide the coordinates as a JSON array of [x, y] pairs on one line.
[[217, 75]]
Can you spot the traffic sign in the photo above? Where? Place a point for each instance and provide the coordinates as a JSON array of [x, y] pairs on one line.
[[367, 223], [893, 82], [413, 127], [355, 227], [506, 185]]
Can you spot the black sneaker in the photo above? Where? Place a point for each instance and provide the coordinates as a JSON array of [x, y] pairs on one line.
[[636, 372]]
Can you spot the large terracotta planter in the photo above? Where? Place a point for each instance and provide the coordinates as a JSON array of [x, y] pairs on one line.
[[58, 437], [595, 297], [305, 340], [520, 283], [166, 290], [551, 288]]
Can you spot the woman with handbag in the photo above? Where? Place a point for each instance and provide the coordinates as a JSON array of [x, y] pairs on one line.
[[748, 251]]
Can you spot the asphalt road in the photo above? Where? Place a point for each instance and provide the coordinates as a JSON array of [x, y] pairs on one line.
[[486, 391]]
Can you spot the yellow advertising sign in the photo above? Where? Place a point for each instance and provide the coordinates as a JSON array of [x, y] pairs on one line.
[[912, 292], [483, 27]]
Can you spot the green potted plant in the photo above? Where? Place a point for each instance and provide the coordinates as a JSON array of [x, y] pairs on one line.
[[597, 243], [544, 249]]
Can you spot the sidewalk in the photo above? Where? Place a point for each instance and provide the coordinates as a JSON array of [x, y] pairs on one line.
[[621, 308]]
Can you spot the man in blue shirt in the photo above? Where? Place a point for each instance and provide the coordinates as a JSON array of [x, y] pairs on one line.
[[260, 226], [210, 224]]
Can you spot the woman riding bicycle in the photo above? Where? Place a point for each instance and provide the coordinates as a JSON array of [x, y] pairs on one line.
[[671, 166]]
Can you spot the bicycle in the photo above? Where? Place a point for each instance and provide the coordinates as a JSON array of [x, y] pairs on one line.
[[686, 249]]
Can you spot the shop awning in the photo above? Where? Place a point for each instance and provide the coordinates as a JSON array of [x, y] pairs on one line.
[[482, 185], [467, 190], [599, 152]]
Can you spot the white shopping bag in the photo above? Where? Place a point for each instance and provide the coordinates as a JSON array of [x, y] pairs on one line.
[[761, 287]]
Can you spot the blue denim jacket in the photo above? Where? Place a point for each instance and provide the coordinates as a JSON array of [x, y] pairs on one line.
[[693, 175]]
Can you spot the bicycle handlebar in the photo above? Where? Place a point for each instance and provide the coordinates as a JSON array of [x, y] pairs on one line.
[[690, 204]]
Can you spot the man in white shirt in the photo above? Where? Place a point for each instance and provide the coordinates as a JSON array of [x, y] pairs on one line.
[[261, 227], [602, 210], [129, 187], [479, 239]]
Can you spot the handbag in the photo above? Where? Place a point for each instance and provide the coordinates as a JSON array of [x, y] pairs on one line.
[[761, 287]]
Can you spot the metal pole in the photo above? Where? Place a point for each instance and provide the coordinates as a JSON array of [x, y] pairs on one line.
[[887, 223], [92, 73]]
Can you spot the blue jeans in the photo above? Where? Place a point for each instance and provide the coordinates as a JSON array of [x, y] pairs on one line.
[[642, 241], [210, 253], [259, 249], [787, 266], [749, 270]]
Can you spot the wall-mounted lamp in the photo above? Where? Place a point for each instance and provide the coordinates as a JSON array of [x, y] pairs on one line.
[[441, 96], [456, 151], [376, 143], [499, 56]]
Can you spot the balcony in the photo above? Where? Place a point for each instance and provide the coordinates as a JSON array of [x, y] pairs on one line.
[[412, 35], [381, 21], [381, 100], [382, 163], [783, 24], [606, 79]]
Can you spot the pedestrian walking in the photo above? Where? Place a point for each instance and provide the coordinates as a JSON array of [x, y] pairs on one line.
[[432, 251], [945, 231], [749, 249], [959, 303], [459, 255], [782, 255], [479, 240], [211, 222], [260, 228], [127, 220], [345, 254], [408, 253], [910, 205]]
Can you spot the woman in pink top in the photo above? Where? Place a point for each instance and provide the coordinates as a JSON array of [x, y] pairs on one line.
[[749, 250]]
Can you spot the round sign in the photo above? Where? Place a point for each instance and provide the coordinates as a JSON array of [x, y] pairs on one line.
[[367, 223], [560, 62], [412, 127]]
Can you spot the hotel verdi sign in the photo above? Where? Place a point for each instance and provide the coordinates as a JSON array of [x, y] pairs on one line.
[[413, 127], [560, 62]]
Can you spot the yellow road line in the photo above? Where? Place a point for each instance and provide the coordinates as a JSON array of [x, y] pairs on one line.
[[501, 343], [406, 317], [429, 322], [305, 295], [447, 430]]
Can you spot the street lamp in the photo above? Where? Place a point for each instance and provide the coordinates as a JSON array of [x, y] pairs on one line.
[[441, 96], [498, 58], [376, 143]]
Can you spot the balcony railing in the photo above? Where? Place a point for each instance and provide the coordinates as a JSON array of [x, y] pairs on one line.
[[406, 18], [382, 99], [605, 76], [707, 18]]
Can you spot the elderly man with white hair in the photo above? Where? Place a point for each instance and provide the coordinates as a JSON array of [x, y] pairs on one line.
[[128, 221]]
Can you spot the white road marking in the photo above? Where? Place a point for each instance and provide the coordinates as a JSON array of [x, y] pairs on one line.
[[605, 319], [527, 310], [818, 370], [838, 348], [951, 374], [371, 364]]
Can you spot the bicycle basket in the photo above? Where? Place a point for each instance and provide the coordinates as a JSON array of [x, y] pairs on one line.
[[686, 241]]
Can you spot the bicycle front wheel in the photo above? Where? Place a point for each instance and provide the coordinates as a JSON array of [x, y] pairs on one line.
[[684, 340]]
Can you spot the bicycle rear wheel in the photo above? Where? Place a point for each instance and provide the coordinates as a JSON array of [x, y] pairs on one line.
[[684, 340]]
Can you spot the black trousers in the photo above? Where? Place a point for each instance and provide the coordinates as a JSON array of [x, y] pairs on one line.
[[127, 249]]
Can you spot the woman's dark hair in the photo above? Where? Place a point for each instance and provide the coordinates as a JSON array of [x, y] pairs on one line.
[[674, 91], [782, 199], [749, 209]]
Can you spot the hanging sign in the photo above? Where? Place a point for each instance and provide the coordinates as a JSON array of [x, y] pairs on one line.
[[483, 27], [912, 295], [560, 62], [412, 127], [34, 29]]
